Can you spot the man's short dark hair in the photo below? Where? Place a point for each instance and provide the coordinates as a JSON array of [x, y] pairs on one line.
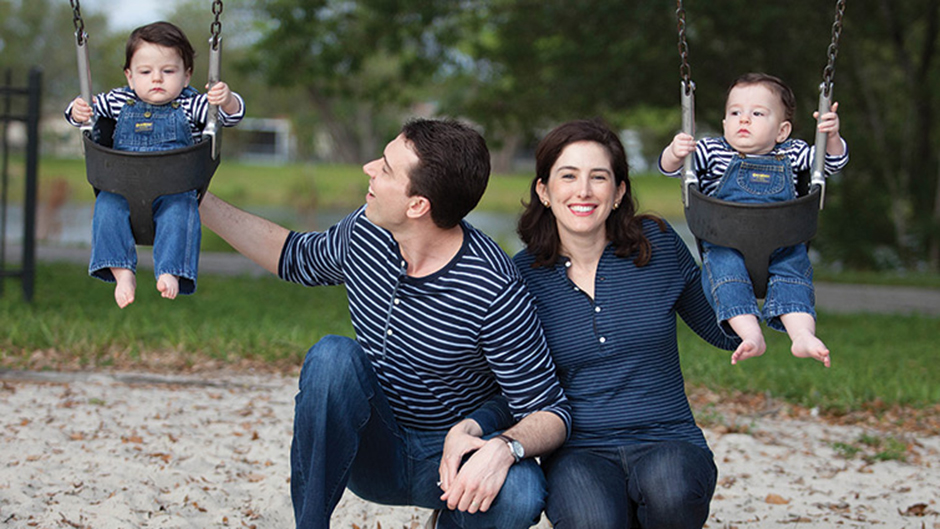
[[453, 167], [162, 34]]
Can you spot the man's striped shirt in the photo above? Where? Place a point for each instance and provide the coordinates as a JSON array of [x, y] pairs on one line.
[[441, 345]]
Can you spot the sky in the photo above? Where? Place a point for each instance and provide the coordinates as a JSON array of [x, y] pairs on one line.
[[124, 14]]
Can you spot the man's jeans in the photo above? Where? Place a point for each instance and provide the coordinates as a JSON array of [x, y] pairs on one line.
[[345, 434], [652, 486]]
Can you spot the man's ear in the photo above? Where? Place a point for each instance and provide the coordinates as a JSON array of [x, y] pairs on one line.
[[418, 206]]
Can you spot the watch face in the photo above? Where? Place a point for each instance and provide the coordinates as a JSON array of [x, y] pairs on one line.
[[517, 449]]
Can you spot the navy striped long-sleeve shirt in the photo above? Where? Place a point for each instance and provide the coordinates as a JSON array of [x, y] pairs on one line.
[[617, 354], [194, 105], [441, 345], [712, 156]]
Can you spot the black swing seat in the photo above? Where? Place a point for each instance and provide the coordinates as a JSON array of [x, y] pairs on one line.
[[755, 230], [141, 177]]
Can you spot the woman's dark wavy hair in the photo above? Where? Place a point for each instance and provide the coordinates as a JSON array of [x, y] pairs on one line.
[[537, 227]]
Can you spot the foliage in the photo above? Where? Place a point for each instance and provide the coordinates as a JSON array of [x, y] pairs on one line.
[[358, 62]]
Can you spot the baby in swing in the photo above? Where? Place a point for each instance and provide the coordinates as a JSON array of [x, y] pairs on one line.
[[157, 111], [756, 162]]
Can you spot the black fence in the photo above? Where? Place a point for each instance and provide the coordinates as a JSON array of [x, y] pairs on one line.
[[20, 105]]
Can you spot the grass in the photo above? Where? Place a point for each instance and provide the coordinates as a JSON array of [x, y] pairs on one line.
[[873, 448], [886, 358], [228, 319], [73, 319]]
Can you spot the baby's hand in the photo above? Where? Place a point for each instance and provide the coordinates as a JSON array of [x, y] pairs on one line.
[[829, 123], [219, 94], [81, 111], [682, 145]]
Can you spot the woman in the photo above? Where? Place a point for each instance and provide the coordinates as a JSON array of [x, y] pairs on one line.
[[608, 285]]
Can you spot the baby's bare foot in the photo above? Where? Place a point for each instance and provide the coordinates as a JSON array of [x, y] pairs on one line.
[[748, 349], [125, 287], [807, 345], [168, 285]]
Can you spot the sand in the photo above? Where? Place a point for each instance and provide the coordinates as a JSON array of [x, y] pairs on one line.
[[120, 450]]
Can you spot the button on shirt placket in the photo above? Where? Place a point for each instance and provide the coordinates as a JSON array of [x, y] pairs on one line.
[[394, 302], [601, 339]]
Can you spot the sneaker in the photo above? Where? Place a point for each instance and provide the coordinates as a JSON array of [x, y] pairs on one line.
[[432, 521]]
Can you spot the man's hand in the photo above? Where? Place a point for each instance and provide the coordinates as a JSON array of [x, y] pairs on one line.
[[479, 480], [463, 438]]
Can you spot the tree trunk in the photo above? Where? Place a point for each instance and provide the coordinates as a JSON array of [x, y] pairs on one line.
[[345, 143], [502, 158], [934, 232]]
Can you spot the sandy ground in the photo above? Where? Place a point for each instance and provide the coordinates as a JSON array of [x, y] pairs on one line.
[[102, 451]]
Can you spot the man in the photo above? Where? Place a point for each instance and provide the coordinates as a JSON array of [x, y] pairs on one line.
[[446, 340]]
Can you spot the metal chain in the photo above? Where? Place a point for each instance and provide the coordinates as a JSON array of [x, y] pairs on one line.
[[685, 71], [78, 21], [833, 50], [216, 28]]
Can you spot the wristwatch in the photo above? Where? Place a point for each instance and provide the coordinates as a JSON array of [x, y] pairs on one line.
[[515, 447]]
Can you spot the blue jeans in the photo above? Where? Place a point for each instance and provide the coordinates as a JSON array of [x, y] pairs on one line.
[[728, 286], [176, 241], [757, 180], [659, 485], [345, 434]]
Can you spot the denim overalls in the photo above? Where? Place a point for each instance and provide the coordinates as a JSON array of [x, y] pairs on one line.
[[757, 180], [142, 127]]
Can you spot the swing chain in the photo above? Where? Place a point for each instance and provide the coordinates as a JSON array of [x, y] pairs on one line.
[[216, 28], [78, 21], [833, 46], [685, 71]]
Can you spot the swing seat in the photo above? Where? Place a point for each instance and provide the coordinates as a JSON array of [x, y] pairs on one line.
[[755, 230], [141, 177]]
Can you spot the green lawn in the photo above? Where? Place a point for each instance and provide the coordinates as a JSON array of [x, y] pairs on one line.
[[73, 320]]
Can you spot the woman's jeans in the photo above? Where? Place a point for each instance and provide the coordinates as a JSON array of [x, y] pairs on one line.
[[660, 485], [345, 434], [176, 241]]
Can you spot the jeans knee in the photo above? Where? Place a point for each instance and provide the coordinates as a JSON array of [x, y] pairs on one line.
[[522, 497], [676, 485], [332, 360]]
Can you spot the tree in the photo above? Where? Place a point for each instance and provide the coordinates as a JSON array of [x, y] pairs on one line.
[[359, 63]]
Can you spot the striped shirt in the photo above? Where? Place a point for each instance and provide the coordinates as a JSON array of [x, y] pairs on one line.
[[194, 105], [712, 156], [616, 354], [441, 345]]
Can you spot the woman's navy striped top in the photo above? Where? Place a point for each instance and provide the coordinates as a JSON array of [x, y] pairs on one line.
[[616, 354], [441, 345]]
